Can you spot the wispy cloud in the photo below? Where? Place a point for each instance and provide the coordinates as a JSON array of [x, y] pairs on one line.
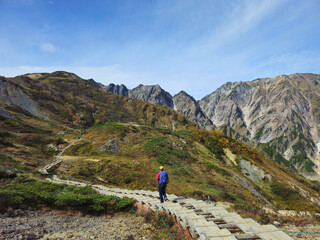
[[48, 47], [237, 22]]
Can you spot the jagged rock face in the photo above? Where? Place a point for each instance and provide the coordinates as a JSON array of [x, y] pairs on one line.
[[181, 102], [121, 90], [188, 106], [279, 111], [94, 83], [153, 94], [12, 94], [253, 172]]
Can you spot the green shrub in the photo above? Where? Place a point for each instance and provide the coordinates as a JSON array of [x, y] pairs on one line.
[[127, 180], [228, 196], [165, 153], [163, 130], [283, 192], [113, 125], [259, 133], [181, 171], [217, 168], [197, 193], [36, 194], [82, 148], [123, 203], [182, 133], [302, 162]]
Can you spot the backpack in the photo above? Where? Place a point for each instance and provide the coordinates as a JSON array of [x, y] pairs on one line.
[[164, 177]]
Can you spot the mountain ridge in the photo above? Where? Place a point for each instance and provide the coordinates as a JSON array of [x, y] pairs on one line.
[[280, 115], [239, 105], [270, 111]]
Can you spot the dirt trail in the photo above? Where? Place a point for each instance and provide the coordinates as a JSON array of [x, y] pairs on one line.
[[59, 158]]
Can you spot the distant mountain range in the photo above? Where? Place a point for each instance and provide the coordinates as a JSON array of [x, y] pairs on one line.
[[181, 102], [280, 116]]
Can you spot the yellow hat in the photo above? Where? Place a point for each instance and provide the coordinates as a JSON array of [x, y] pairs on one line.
[[161, 167]]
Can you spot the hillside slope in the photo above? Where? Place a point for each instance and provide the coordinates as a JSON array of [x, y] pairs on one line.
[[280, 115], [66, 98], [123, 142]]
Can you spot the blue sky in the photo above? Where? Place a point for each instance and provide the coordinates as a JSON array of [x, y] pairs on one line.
[[195, 46]]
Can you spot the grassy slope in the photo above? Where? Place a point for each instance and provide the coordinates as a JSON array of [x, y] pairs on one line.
[[195, 159], [298, 162]]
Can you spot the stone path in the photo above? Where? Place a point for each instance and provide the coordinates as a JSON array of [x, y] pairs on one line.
[[204, 221]]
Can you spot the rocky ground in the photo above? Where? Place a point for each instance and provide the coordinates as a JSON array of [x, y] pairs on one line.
[[305, 228], [42, 224], [27, 224]]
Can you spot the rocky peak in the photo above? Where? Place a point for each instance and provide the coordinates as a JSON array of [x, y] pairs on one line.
[[94, 83], [153, 94], [187, 105], [121, 90]]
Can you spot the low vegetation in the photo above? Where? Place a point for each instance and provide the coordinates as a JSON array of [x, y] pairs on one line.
[[195, 159], [23, 193], [158, 220]]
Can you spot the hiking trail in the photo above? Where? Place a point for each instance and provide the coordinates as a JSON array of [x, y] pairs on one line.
[[204, 221]]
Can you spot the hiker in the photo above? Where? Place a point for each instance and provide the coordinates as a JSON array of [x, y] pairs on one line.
[[163, 180]]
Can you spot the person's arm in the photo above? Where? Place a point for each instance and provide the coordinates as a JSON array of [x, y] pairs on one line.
[[158, 177]]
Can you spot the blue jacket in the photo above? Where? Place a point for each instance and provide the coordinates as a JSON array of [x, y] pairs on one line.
[[164, 177]]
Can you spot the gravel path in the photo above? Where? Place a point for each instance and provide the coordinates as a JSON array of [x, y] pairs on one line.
[[27, 224]]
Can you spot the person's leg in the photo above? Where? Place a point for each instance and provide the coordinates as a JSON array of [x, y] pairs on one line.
[[161, 192], [164, 192]]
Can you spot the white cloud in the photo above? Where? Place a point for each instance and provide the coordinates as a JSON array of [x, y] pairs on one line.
[[48, 47]]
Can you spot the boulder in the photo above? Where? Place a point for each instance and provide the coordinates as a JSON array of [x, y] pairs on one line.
[[112, 146]]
